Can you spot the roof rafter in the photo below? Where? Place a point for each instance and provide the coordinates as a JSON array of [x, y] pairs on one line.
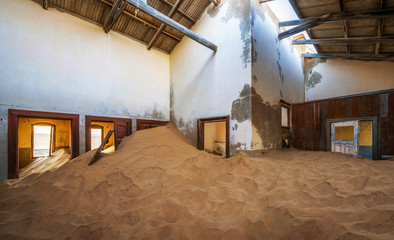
[[340, 41], [303, 27], [168, 21], [343, 17], [143, 21], [161, 28], [352, 56], [380, 26], [179, 11]]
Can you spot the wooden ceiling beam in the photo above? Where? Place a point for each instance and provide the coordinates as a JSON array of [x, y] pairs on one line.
[[115, 18], [111, 14], [168, 21], [340, 41], [299, 15], [183, 14], [352, 56], [380, 26], [303, 27], [343, 17], [161, 28], [344, 23], [149, 24]]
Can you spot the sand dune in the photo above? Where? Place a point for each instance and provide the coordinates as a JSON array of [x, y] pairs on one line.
[[158, 186]]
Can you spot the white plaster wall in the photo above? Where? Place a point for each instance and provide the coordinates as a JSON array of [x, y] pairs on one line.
[[346, 77], [277, 65], [277, 73], [205, 84], [53, 61]]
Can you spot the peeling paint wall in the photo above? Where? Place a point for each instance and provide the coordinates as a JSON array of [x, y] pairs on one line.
[[277, 73], [335, 78], [53, 61], [207, 84]]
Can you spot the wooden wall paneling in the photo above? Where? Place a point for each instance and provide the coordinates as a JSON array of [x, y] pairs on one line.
[[309, 130], [309, 119], [316, 125], [324, 109]]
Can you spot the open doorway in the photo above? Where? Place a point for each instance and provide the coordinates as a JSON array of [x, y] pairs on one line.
[[122, 127], [97, 136], [213, 135], [98, 132], [36, 137], [146, 124], [357, 137], [43, 140]]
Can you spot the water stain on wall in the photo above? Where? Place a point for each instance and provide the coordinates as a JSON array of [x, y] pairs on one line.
[[266, 118], [240, 9], [313, 80], [309, 65], [254, 78], [155, 114], [241, 107]]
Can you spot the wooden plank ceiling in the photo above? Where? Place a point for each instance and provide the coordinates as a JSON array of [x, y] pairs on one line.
[[367, 31], [134, 23]]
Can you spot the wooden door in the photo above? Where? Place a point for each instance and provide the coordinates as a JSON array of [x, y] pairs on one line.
[[345, 137], [53, 141], [122, 130]]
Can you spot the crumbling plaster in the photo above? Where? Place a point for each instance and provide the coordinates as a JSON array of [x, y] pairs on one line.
[[252, 70], [207, 84], [277, 73], [335, 77]]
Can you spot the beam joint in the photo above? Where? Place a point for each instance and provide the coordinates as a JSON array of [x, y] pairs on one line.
[[303, 27], [168, 21]]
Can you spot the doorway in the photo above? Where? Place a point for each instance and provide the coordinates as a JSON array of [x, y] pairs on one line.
[[357, 137], [213, 135], [146, 124], [33, 134], [43, 140], [122, 128]]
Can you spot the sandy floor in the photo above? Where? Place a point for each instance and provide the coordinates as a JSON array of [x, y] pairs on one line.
[[157, 186]]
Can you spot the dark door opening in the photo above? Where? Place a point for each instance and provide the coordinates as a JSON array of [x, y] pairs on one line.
[[122, 128], [26, 138], [146, 124], [213, 135]]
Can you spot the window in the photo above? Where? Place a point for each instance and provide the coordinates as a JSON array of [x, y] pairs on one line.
[[96, 134], [285, 114], [41, 140]]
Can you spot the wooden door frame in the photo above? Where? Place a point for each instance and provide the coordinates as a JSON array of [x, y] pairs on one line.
[[142, 121], [376, 155], [88, 124], [13, 124], [200, 131]]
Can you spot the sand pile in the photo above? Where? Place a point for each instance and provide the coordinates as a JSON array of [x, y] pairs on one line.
[[43, 164], [157, 186]]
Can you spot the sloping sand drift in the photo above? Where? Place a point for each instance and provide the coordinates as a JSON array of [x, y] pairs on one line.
[[157, 186], [44, 164]]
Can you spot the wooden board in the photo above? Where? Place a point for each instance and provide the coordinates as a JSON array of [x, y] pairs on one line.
[[98, 151]]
